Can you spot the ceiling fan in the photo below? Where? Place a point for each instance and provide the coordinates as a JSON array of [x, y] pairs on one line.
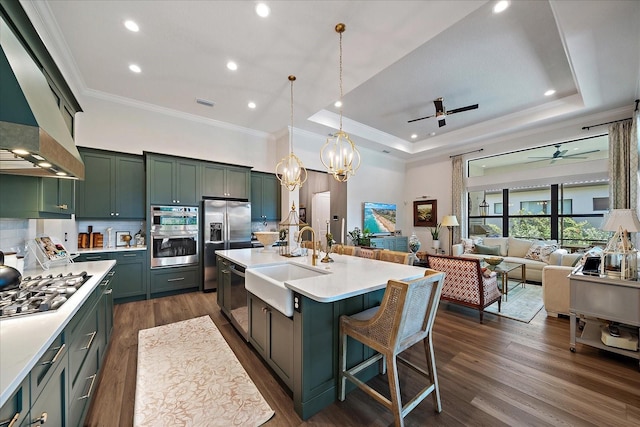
[[561, 154], [441, 113]]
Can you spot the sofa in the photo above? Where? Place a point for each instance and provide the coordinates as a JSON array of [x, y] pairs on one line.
[[555, 285], [466, 283], [534, 254]]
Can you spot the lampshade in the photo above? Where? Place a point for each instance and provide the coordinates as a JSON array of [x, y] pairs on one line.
[[621, 218], [450, 221]]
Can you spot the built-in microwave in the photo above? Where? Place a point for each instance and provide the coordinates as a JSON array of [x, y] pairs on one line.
[[173, 236]]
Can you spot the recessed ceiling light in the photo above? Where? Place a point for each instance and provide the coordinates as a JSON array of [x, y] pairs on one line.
[[432, 134], [135, 68], [232, 65], [550, 92], [414, 136], [251, 105], [44, 164], [131, 26], [501, 6], [337, 104], [262, 10]]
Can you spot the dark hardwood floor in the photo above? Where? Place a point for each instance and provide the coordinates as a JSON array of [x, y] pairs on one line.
[[501, 373]]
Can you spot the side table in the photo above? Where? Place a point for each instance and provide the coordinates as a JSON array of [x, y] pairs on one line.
[[606, 298]]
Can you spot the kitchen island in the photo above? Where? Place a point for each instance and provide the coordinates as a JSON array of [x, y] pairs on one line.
[[24, 340], [302, 349]]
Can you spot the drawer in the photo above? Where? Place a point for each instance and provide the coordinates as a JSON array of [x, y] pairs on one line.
[[81, 393], [174, 279], [16, 409], [132, 256], [93, 257], [81, 342], [45, 366]]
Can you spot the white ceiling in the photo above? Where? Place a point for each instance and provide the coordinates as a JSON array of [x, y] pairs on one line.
[[398, 57]]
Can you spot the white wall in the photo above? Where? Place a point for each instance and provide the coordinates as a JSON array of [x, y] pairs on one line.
[[121, 127]]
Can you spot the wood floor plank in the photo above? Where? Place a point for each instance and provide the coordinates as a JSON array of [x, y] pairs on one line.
[[499, 373]]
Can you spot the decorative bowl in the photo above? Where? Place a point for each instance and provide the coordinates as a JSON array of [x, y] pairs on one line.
[[493, 260], [267, 238]]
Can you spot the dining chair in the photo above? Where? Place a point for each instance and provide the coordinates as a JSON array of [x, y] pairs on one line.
[[347, 250], [367, 253], [404, 317], [395, 256]]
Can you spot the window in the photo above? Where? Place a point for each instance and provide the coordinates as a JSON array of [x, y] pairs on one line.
[[600, 203]]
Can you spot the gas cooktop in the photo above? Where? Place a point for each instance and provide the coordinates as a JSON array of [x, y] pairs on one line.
[[40, 294]]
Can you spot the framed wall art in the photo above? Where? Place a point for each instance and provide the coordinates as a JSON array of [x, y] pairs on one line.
[[425, 213], [121, 240]]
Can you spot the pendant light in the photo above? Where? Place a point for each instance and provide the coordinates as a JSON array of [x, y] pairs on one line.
[[290, 171], [339, 154]]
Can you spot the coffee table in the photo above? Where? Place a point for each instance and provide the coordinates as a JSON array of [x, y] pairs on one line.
[[503, 269]]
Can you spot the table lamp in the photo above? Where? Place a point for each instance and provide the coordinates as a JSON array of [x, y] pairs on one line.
[[450, 221], [619, 258]]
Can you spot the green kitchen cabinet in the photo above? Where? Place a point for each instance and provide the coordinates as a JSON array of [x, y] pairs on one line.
[[36, 197], [16, 408], [271, 334], [50, 405], [173, 180], [174, 280], [24, 201], [114, 186], [225, 181], [57, 196], [130, 280], [265, 197]]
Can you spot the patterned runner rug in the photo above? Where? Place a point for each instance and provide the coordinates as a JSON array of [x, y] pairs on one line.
[[523, 303], [188, 376]]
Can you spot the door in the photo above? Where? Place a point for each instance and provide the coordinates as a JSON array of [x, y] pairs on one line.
[[214, 229], [239, 218]]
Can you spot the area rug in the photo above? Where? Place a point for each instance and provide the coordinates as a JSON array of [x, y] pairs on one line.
[[523, 303], [188, 376]]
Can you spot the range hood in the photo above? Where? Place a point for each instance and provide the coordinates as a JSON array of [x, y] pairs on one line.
[[34, 138]]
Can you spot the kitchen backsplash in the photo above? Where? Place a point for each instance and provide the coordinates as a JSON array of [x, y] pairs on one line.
[[14, 233]]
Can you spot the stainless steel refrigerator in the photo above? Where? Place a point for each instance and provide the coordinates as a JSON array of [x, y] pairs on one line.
[[226, 225]]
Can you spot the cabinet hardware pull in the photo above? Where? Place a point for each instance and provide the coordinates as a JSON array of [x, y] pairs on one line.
[[111, 273], [108, 292], [88, 395], [177, 279], [65, 207], [41, 420], [104, 283], [11, 422], [93, 335], [129, 255], [94, 258], [58, 353]]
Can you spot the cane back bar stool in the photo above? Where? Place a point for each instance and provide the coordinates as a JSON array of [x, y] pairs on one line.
[[395, 256], [404, 318]]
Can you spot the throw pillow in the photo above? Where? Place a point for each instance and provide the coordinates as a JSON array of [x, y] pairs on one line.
[[469, 245], [518, 248], [540, 252], [487, 250], [497, 241]]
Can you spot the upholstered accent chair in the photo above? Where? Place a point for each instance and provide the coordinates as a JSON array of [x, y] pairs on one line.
[[395, 256], [404, 318], [466, 284]]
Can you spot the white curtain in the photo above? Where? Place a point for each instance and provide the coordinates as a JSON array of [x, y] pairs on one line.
[[457, 197]]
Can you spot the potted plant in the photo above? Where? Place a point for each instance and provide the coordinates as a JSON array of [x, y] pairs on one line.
[[360, 238], [435, 234]]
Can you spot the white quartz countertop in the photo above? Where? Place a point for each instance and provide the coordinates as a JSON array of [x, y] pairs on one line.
[[349, 275], [24, 339]]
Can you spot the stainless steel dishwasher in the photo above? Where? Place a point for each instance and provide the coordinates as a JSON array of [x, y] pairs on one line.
[[232, 295]]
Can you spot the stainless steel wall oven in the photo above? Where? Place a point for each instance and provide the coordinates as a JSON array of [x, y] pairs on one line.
[[174, 236]]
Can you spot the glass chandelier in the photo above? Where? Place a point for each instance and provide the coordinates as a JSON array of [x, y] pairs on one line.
[[339, 154], [290, 171]]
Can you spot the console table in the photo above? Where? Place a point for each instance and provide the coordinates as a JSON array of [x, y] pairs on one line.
[[603, 298]]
